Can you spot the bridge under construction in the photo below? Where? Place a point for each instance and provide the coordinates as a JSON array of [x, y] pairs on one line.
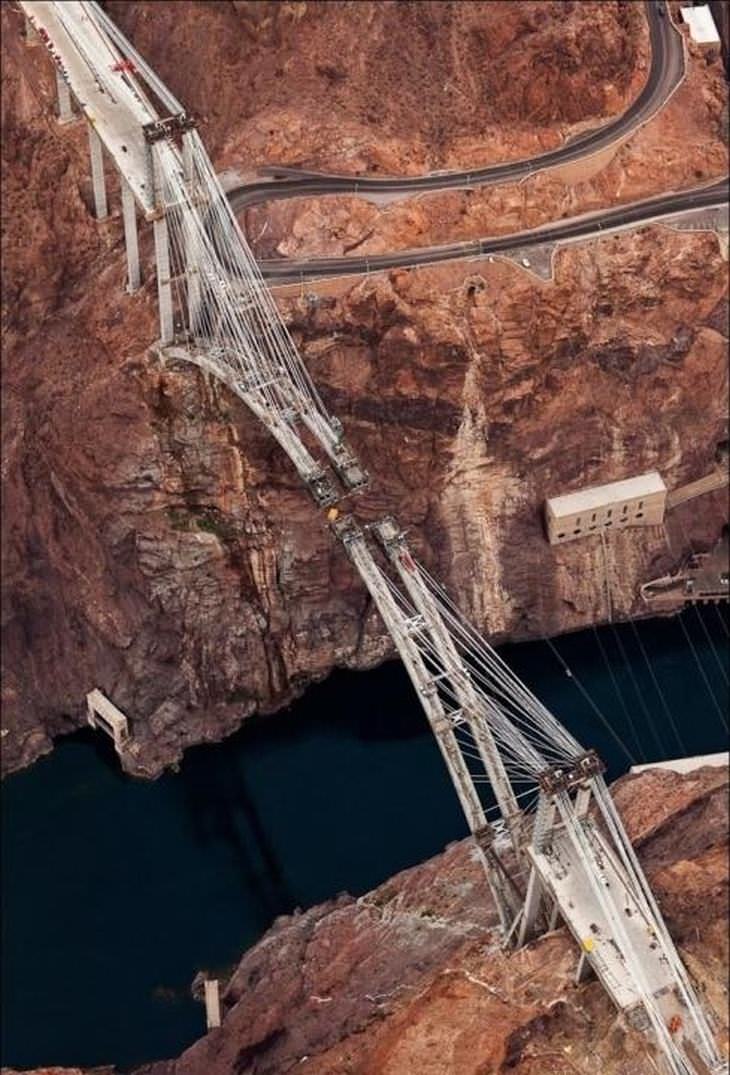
[[558, 850]]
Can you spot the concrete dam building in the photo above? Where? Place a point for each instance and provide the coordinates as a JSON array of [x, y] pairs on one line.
[[638, 501]]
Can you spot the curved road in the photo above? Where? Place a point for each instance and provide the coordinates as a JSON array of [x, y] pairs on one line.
[[665, 74], [713, 196]]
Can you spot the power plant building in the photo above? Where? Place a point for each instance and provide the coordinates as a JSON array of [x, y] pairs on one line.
[[638, 501]]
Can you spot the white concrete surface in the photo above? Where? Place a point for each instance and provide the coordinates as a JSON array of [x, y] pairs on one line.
[[129, 215], [110, 100], [101, 713], [564, 872], [565, 876], [685, 765], [612, 493], [212, 1003], [701, 24]]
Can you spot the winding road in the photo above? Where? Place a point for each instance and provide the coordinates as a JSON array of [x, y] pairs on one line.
[[666, 72], [652, 209]]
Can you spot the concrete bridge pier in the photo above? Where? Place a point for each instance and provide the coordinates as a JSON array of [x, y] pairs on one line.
[[162, 254], [65, 108], [212, 1003], [584, 970], [164, 286], [103, 714], [129, 215], [192, 251], [98, 179]]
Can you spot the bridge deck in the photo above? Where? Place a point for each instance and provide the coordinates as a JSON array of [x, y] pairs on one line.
[[111, 101], [565, 875]]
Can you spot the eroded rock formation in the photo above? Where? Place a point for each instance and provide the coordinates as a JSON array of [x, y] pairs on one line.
[[192, 578], [392, 87], [157, 544], [409, 979], [685, 145]]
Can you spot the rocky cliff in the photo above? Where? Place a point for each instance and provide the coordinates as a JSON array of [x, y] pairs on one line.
[[409, 979], [362, 86], [158, 545], [685, 145]]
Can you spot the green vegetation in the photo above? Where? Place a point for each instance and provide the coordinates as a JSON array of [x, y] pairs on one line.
[[208, 520]]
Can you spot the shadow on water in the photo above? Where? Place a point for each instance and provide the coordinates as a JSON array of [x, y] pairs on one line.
[[117, 891], [220, 807]]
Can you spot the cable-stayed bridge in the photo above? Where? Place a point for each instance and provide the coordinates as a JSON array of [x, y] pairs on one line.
[[558, 850]]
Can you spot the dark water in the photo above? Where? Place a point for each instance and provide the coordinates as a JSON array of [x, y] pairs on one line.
[[117, 891]]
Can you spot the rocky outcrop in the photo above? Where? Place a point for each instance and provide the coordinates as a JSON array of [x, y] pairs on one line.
[[683, 146], [391, 87], [63, 1071], [157, 543], [411, 978], [191, 578], [408, 978]]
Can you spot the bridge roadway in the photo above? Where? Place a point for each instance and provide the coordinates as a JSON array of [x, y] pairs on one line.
[[589, 224], [565, 874], [113, 102]]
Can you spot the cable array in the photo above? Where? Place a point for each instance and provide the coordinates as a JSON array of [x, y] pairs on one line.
[[523, 760], [231, 318], [551, 742], [232, 312]]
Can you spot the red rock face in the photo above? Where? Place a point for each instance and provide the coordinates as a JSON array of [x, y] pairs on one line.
[[157, 543], [409, 979], [683, 146], [392, 87]]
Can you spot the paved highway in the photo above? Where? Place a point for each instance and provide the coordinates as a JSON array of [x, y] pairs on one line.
[[666, 71], [582, 226], [665, 74]]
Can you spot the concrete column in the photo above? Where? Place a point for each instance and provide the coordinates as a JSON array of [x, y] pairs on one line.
[[582, 801], [187, 156], [583, 970], [97, 174], [164, 287], [531, 909], [192, 279], [192, 246], [65, 109], [162, 252], [129, 215], [212, 1003]]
